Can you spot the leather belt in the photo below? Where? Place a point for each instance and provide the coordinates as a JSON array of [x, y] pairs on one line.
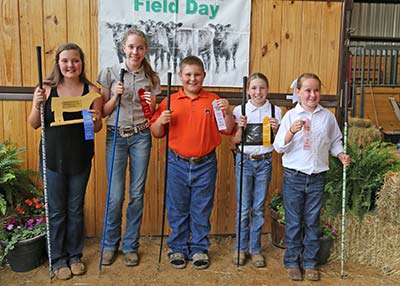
[[129, 130], [193, 160], [256, 157]]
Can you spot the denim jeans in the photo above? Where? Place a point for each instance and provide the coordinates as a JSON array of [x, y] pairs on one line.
[[137, 148], [303, 199], [256, 179], [190, 199], [66, 195]]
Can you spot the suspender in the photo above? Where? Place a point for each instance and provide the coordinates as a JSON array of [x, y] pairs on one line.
[[272, 116]]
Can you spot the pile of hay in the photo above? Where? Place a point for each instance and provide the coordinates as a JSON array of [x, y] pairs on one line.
[[388, 202], [375, 241], [361, 132]]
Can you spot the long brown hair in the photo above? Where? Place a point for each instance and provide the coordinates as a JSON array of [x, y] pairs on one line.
[[56, 76], [148, 70]]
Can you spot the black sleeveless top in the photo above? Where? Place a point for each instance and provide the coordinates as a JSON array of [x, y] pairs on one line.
[[67, 151]]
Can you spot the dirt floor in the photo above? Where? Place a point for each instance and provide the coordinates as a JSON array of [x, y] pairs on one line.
[[221, 271]]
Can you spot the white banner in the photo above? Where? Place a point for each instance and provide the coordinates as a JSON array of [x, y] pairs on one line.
[[217, 31]]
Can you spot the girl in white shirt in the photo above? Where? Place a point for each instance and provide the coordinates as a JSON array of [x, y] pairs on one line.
[[307, 134], [257, 167]]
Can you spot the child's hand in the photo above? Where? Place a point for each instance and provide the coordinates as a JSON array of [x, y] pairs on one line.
[[345, 159], [119, 88], [274, 124], [38, 97], [296, 126], [149, 97], [223, 104], [165, 117], [243, 121], [95, 114]]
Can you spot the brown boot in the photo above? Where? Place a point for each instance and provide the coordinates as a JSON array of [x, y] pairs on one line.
[[311, 274], [63, 273], [294, 273], [131, 259], [242, 258], [109, 257], [258, 260], [78, 268]]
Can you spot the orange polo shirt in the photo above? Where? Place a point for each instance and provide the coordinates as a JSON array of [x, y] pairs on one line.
[[193, 130]]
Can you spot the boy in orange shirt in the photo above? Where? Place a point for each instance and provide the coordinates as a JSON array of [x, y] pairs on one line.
[[192, 164]]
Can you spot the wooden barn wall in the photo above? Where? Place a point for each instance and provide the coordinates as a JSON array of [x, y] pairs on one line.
[[287, 38]]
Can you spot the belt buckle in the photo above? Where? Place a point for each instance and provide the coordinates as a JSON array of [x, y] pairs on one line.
[[255, 157], [125, 132]]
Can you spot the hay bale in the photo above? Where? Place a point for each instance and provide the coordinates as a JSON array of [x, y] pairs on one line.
[[370, 242], [359, 122], [388, 201], [361, 132]]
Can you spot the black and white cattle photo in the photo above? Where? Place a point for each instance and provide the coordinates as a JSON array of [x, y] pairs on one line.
[[170, 42]]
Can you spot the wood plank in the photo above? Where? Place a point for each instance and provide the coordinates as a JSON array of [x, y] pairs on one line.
[[79, 28], [379, 110], [78, 32], [14, 118], [94, 33], [1, 122], [33, 141], [100, 174], [310, 37], [31, 23], [55, 30], [14, 123], [255, 39], [153, 194], [290, 39], [223, 215], [271, 41], [10, 60], [31, 30], [379, 90], [330, 45]]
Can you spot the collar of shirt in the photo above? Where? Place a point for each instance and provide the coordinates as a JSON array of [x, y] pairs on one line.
[[252, 107], [182, 95], [125, 67], [299, 109]]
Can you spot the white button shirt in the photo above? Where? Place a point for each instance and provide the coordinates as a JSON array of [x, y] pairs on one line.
[[256, 115], [325, 136]]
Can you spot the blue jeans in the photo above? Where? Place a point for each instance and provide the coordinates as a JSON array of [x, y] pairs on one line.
[[189, 202], [303, 199], [66, 195], [137, 148], [256, 179]]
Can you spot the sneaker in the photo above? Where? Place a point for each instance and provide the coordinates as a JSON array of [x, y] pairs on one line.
[[131, 259], [108, 257], [242, 258], [63, 273], [78, 268], [200, 261], [258, 260], [177, 260]]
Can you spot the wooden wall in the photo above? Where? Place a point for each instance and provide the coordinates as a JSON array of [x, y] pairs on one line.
[[287, 38], [378, 108]]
